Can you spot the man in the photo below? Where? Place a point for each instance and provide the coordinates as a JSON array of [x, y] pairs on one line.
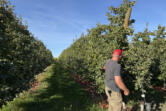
[[113, 82]]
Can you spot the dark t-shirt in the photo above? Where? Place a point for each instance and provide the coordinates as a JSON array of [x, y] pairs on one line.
[[112, 69]]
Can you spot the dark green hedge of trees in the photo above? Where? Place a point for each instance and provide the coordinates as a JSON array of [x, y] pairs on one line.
[[21, 54], [144, 57]]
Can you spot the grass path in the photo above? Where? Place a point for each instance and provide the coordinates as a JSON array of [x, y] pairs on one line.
[[56, 91]]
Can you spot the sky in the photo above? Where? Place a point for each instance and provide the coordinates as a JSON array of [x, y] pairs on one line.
[[57, 23]]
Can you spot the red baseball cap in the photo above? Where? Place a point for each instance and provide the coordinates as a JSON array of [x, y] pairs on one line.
[[118, 52]]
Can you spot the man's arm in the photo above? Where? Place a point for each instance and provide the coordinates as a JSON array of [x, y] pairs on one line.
[[121, 85], [104, 68]]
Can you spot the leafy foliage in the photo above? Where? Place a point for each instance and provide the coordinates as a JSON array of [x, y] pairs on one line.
[[143, 59], [21, 55], [87, 55]]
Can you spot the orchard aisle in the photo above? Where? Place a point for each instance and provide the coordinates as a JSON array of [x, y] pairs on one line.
[[56, 91]]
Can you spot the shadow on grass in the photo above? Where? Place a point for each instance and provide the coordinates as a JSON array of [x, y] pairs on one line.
[[62, 94]]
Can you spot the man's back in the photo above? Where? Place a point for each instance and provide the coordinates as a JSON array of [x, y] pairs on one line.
[[112, 69]]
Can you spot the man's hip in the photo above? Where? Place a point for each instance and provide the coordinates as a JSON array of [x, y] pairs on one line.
[[115, 96], [115, 101]]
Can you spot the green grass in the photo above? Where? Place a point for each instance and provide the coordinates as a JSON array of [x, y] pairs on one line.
[[56, 91]]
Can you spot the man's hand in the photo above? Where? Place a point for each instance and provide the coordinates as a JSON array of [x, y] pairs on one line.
[[126, 92], [121, 85]]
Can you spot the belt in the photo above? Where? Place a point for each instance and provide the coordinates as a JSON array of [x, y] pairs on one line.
[[109, 91], [112, 92]]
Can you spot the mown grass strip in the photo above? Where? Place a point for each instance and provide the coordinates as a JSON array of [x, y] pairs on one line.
[[56, 91]]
